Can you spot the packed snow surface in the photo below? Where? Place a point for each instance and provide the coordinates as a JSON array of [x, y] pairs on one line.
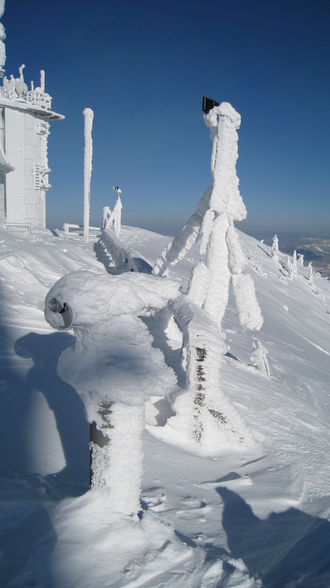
[[255, 516]]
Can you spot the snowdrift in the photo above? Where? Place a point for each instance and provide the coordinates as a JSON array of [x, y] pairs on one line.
[[254, 516]]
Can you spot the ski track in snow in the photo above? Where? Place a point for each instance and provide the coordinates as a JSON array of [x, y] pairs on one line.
[[227, 521]]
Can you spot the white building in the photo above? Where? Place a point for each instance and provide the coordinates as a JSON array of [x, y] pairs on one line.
[[24, 130]]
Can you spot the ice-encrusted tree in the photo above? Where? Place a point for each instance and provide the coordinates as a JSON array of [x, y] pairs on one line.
[[258, 358], [274, 248], [291, 266], [300, 259], [310, 277], [294, 264], [221, 265]]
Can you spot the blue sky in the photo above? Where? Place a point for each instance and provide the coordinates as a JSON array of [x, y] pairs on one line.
[[143, 66]]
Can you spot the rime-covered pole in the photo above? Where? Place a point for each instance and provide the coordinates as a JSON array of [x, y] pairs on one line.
[[88, 156]]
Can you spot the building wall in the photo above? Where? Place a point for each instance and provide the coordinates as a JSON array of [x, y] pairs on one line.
[[26, 138], [14, 146]]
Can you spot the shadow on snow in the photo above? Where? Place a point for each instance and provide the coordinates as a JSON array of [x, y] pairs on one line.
[[287, 549]]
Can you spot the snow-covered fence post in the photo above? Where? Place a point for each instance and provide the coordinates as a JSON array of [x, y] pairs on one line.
[[221, 264], [88, 156], [114, 368]]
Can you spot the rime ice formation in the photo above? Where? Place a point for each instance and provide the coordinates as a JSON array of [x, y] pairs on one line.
[[294, 264], [221, 264], [289, 267], [221, 256], [300, 259], [24, 129], [112, 220], [88, 156], [114, 367], [216, 427], [274, 249], [310, 274], [259, 358]]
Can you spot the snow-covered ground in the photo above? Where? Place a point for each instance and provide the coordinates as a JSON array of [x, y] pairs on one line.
[[258, 516]]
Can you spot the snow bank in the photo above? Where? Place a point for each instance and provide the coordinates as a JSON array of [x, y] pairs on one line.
[[127, 553]]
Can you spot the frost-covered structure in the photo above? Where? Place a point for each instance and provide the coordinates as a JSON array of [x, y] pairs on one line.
[[114, 367], [221, 265], [88, 157], [112, 219], [25, 115]]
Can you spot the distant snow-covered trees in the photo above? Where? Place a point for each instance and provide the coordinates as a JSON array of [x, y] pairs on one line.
[[310, 277], [292, 266], [300, 259]]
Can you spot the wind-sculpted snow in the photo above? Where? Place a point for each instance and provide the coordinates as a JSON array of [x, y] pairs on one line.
[[252, 516]]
